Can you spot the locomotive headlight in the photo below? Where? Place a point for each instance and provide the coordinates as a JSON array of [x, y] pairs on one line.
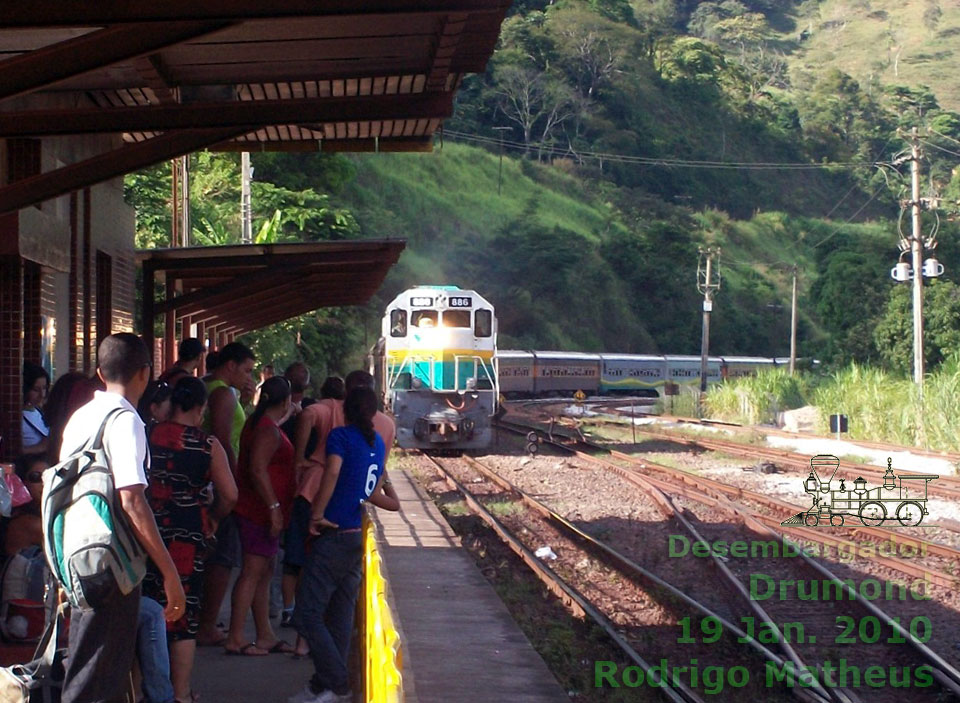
[[436, 337]]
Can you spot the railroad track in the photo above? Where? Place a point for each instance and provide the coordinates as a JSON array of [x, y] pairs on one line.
[[783, 612], [953, 457], [944, 487], [580, 604], [693, 486]]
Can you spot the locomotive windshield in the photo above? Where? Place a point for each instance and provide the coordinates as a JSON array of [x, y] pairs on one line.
[[483, 324], [456, 318], [398, 323], [424, 318]]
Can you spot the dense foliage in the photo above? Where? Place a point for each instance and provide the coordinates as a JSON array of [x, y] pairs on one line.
[[589, 238]]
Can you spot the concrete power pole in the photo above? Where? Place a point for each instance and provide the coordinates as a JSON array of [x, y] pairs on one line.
[[793, 323], [916, 249], [708, 282], [246, 219]]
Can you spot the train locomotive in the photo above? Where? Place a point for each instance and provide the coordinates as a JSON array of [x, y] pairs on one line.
[[435, 365], [901, 497]]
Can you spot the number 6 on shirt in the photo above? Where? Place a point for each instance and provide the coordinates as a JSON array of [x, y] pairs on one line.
[[371, 479]]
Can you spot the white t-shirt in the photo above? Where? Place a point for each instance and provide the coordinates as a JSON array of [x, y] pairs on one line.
[[33, 429], [125, 438]]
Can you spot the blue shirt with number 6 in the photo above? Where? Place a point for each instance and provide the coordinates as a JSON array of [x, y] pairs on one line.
[[361, 469]]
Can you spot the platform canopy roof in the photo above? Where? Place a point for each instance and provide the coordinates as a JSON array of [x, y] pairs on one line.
[[175, 76], [241, 288]]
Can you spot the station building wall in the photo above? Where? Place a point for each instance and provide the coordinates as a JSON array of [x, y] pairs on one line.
[[67, 271]]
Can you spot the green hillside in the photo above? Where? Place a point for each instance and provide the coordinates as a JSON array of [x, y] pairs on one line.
[[913, 43], [633, 134]]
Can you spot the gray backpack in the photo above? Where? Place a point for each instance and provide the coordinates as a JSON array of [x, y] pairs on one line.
[[87, 539]]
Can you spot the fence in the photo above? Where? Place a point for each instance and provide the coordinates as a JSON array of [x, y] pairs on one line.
[[383, 663]]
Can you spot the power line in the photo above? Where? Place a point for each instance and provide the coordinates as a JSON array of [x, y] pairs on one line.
[[849, 219], [948, 151], [657, 161], [947, 137], [841, 201]]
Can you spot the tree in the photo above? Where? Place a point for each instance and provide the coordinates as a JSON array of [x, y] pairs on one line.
[[694, 60], [533, 99], [847, 297], [745, 30], [149, 192], [591, 46], [941, 321], [931, 15]]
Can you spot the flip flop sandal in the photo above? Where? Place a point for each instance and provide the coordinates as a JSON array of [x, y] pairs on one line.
[[282, 647], [244, 651]]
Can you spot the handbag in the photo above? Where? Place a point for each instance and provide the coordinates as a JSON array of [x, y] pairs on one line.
[[19, 495], [41, 680]]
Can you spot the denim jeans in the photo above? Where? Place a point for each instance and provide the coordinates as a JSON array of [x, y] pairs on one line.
[[325, 603], [152, 653]]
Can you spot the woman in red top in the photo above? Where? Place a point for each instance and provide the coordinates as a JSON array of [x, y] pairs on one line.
[[267, 484]]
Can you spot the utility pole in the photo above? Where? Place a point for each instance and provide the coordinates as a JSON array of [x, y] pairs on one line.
[[175, 204], [916, 249], [708, 282], [246, 223], [793, 323], [500, 172]]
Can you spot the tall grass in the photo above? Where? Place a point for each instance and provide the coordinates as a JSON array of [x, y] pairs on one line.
[[683, 405], [881, 406], [757, 399]]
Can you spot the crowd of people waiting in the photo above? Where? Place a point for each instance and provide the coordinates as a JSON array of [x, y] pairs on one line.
[[216, 474]]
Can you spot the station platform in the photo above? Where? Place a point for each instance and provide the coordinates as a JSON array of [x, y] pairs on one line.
[[459, 641]]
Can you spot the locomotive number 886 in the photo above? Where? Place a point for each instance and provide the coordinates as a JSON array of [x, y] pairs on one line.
[[435, 365]]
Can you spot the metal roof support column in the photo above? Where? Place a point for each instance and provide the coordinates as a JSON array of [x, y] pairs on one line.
[[148, 303], [212, 335], [201, 334], [170, 328]]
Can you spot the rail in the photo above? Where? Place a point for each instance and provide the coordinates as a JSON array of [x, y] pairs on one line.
[[947, 675], [383, 661]]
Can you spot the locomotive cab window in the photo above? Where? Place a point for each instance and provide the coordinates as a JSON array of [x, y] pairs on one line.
[[456, 318], [424, 319], [483, 324], [398, 323]]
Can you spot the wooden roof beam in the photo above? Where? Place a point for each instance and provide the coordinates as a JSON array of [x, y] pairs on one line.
[[296, 308], [440, 66], [249, 115], [57, 13], [45, 67], [285, 307], [205, 263], [392, 144], [235, 289], [159, 87], [103, 167]]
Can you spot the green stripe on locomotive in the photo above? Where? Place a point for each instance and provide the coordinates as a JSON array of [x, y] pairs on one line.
[[438, 375]]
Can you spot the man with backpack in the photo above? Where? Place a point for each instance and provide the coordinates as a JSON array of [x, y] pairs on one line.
[[103, 634]]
